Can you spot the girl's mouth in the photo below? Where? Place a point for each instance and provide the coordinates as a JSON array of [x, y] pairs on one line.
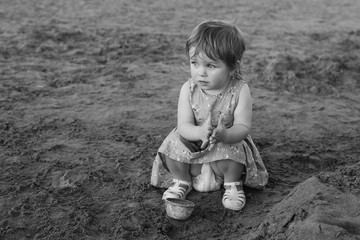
[[203, 82]]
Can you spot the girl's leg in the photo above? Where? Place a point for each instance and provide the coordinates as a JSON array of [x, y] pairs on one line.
[[179, 170], [195, 169], [182, 179], [229, 169], [183, 171], [234, 196]]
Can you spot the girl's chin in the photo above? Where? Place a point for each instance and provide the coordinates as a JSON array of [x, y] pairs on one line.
[[205, 88], [204, 85]]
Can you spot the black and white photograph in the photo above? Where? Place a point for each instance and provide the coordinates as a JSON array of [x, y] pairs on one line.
[[164, 119]]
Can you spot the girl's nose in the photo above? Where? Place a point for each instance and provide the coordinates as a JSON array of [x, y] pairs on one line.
[[202, 72]]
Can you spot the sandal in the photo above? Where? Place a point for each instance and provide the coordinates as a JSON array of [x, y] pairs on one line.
[[234, 196], [179, 189]]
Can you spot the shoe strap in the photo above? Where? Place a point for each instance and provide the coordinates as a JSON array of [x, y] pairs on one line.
[[183, 187], [238, 185], [182, 182]]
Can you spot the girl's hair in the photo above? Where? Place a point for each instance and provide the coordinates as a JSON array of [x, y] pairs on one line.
[[219, 40]]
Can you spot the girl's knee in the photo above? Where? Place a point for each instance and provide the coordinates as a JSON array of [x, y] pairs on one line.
[[176, 165], [215, 168], [231, 170], [195, 169], [226, 165]]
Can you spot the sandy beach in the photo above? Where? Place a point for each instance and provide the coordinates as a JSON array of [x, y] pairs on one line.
[[89, 89]]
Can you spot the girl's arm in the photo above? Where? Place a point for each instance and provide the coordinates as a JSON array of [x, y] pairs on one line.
[[242, 121], [186, 122]]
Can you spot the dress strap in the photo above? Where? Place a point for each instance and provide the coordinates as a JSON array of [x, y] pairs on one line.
[[191, 85], [237, 89]]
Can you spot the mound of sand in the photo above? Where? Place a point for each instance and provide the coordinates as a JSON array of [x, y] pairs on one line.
[[326, 206]]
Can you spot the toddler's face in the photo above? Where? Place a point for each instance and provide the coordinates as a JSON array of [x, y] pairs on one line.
[[212, 76]]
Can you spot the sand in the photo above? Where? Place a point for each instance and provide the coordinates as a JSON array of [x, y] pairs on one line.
[[88, 91]]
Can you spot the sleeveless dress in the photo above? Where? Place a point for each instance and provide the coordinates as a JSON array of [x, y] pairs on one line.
[[177, 148]]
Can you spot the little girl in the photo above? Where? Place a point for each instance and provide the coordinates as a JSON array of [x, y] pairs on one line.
[[211, 145]]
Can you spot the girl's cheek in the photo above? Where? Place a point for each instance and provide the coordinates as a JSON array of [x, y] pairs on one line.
[[193, 73]]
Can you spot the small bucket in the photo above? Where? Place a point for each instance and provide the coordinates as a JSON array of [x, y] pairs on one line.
[[180, 209]]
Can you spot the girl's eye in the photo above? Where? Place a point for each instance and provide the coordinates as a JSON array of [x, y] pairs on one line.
[[211, 66], [194, 63]]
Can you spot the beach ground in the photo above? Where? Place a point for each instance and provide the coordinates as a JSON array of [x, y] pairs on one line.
[[89, 89]]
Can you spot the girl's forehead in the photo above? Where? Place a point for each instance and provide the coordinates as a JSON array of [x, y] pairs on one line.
[[201, 55]]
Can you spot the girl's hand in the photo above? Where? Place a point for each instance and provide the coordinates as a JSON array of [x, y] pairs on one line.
[[219, 133], [206, 131]]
